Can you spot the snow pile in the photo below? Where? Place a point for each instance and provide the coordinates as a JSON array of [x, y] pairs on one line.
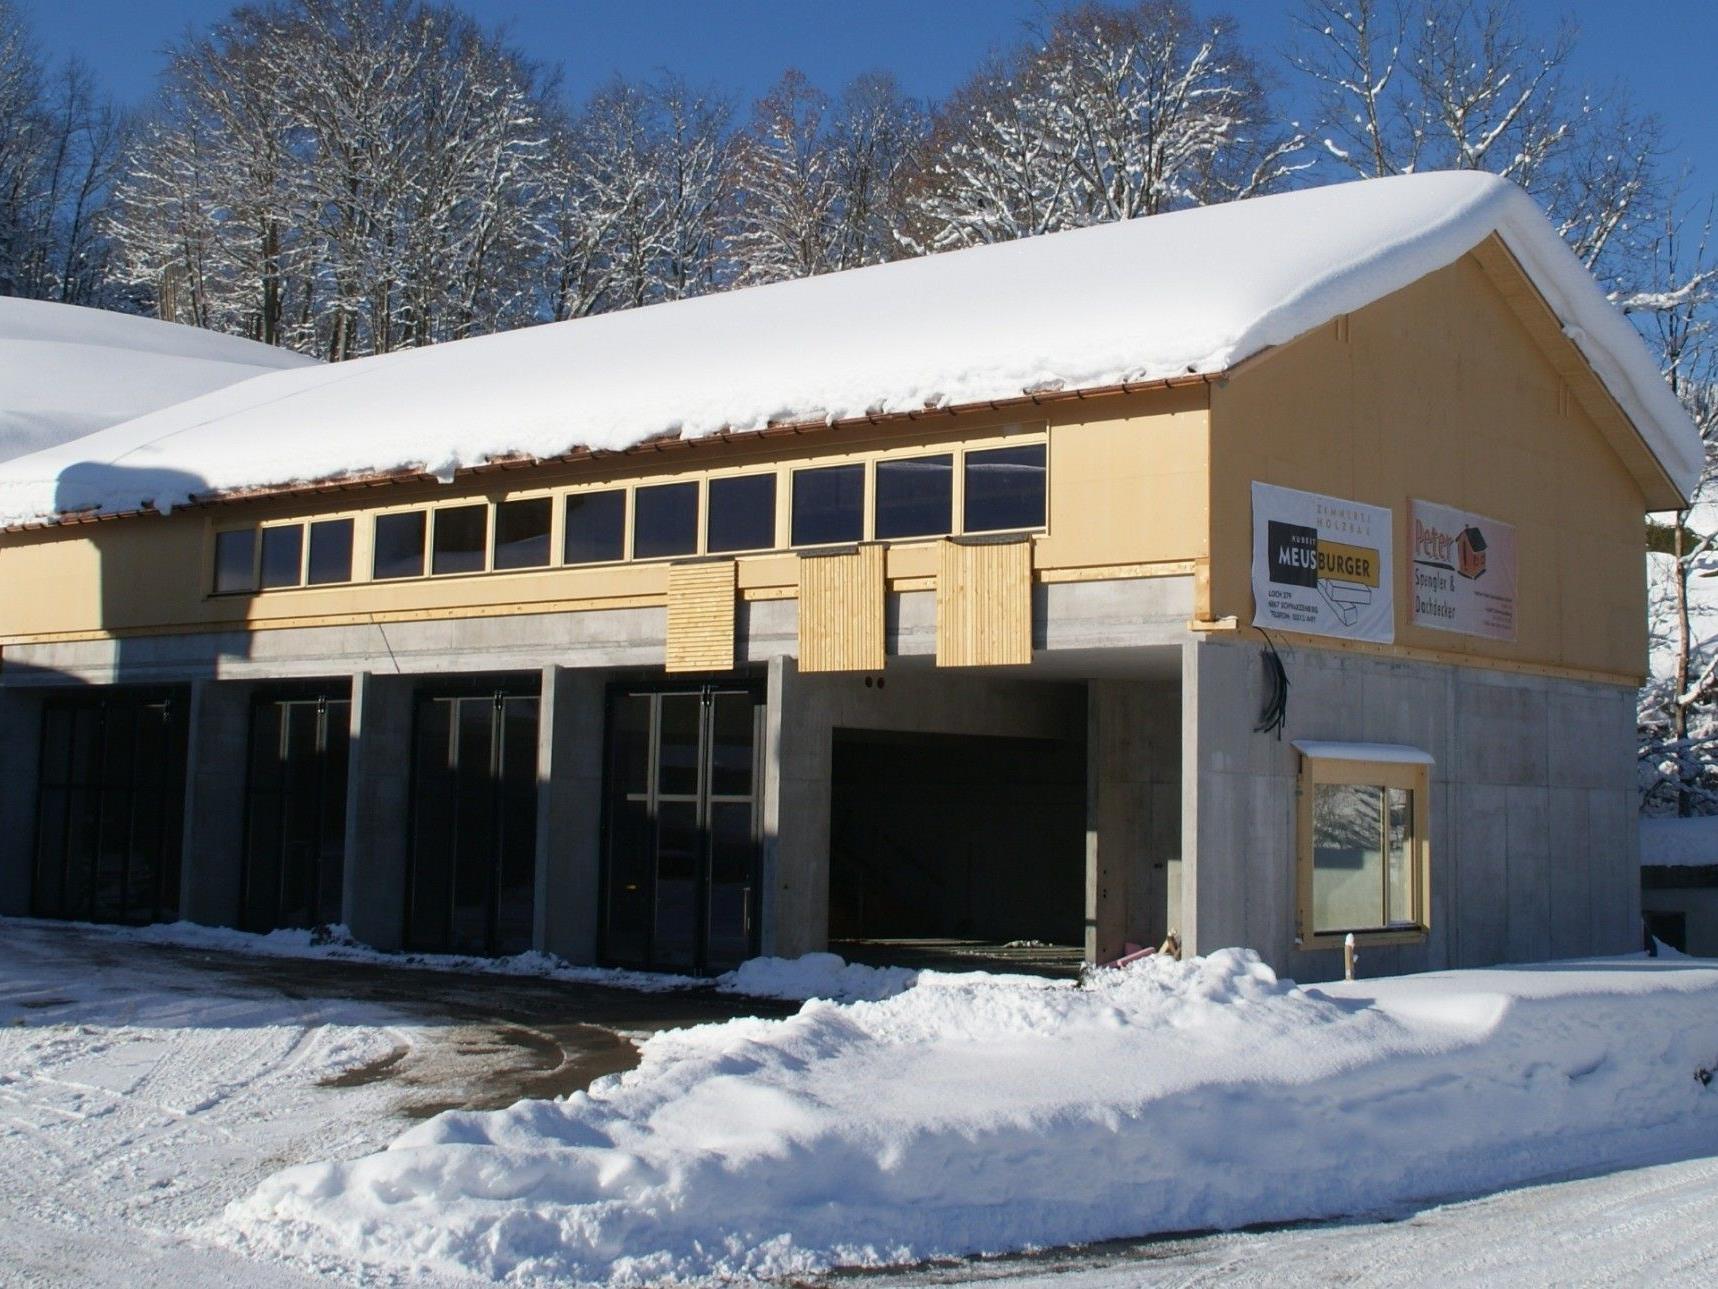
[[67, 371], [965, 1115], [1191, 292], [1679, 843], [816, 975]]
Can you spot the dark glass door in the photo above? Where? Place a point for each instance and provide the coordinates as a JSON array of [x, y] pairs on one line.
[[681, 844], [295, 813], [110, 807], [472, 885]]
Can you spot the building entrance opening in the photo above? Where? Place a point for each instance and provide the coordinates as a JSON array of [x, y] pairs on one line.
[[295, 812], [681, 842], [471, 887], [957, 850], [110, 808]]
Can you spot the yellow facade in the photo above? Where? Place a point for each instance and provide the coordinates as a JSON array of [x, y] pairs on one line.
[[1448, 391]]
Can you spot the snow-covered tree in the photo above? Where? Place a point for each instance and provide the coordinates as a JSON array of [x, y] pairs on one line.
[[1114, 114], [1407, 85], [1678, 708], [642, 182], [821, 183], [344, 176]]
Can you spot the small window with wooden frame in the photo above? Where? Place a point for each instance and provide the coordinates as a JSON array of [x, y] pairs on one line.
[[1364, 845]]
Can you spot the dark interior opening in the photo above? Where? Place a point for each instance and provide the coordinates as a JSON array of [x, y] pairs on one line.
[[955, 840], [110, 805]]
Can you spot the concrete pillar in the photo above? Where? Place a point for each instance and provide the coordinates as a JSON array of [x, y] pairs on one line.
[[797, 764], [569, 812], [217, 741], [378, 803], [1133, 772], [20, 767], [1217, 715]]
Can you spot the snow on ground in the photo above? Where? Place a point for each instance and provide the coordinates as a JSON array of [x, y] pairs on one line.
[[135, 1101], [967, 1115], [1193, 292], [1635, 1226], [816, 975], [67, 371], [1679, 843]]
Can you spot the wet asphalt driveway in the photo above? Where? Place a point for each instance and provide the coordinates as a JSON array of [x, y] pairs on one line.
[[498, 1038]]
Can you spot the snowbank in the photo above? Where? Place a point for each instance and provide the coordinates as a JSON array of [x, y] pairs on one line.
[[1679, 843], [967, 1115], [67, 371], [1193, 292]]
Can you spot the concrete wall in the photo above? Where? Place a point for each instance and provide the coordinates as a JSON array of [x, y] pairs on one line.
[[1133, 813], [212, 864], [1534, 852]]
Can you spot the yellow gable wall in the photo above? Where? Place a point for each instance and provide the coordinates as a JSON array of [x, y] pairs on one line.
[[1438, 392], [1127, 495]]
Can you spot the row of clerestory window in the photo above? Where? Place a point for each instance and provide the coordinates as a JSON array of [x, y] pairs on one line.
[[1001, 489]]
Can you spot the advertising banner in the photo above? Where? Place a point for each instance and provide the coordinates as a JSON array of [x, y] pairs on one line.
[[1322, 565], [1464, 572]]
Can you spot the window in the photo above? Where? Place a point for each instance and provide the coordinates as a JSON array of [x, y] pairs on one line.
[[742, 513], [330, 551], [915, 497], [235, 561], [283, 555], [1363, 844], [665, 520], [828, 505], [399, 545], [596, 527], [1005, 489], [461, 536], [522, 532]]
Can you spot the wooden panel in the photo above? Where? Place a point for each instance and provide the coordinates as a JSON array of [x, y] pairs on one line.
[[1442, 393], [701, 601], [841, 611], [984, 604]]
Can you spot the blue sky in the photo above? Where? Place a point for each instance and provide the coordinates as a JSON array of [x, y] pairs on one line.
[[930, 45]]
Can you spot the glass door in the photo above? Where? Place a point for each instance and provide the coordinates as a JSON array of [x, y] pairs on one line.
[[295, 813], [681, 842], [472, 885]]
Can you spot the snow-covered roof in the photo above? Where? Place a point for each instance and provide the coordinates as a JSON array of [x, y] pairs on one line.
[[67, 371], [1679, 843], [1185, 294]]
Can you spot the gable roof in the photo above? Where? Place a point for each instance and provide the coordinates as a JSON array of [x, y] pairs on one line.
[[1164, 299], [66, 371]]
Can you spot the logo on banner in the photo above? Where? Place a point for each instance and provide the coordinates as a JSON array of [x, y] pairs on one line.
[[1464, 572], [1321, 564]]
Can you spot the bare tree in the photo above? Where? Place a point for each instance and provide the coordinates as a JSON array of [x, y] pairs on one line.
[[58, 143], [1115, 114]]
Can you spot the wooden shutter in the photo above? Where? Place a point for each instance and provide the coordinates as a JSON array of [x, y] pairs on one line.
[[841, 610], [701, 600], [984, 603]]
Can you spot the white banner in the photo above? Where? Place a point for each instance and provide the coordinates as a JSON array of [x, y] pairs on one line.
[[1322, 565], [1464, 572]]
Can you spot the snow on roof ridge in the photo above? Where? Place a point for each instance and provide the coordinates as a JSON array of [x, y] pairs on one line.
[[1188, 293]]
